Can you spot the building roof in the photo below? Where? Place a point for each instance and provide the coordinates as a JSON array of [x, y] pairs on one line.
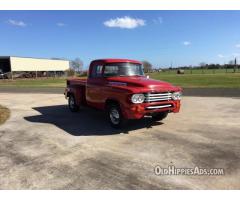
[[34, 58]]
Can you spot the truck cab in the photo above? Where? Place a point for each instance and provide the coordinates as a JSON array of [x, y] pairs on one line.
[[120, 88]]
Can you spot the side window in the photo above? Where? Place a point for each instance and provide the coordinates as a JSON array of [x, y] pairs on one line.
[[97, 71]]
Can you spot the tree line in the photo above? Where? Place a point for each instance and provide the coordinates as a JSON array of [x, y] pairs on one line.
[[77, 66]]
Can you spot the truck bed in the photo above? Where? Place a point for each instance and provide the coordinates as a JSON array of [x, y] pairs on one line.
[[77, 81]]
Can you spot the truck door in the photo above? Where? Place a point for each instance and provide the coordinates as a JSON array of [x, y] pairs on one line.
[[95, 86]]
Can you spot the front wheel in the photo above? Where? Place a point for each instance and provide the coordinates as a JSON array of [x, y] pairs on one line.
[[159, 116], [73, 107], [115, 116]]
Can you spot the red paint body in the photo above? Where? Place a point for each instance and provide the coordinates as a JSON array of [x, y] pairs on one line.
[[96, 92]]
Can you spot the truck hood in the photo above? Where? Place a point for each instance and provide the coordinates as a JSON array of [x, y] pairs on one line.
[[142, 82]]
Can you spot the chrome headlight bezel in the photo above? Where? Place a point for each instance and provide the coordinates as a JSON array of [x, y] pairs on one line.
[[176, 95], [138, 98]]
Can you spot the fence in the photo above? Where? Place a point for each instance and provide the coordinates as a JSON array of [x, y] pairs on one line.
[[30, 74]]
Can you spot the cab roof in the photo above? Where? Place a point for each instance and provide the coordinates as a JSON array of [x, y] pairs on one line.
[[116, 60]]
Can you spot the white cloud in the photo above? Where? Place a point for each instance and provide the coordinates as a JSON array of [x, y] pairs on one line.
[[159, 20], [125, 22], [220, 56], [237, 45], [60, 24], [16, 23], [187, 43]]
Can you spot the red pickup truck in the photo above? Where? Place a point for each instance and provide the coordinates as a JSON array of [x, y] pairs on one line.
[[119, 87]]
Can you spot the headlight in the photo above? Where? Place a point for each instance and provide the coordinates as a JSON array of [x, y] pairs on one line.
[[138, 98], [176, 95]]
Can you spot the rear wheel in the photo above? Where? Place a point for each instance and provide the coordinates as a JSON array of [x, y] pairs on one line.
[[73, 107], [115, 116], [159, 116]]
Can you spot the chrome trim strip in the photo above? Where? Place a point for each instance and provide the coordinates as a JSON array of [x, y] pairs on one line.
[[158, 97], [158, 94], [156, 107], [153, 100]]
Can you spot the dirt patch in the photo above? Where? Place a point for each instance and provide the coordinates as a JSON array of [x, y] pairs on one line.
[[4, 114]]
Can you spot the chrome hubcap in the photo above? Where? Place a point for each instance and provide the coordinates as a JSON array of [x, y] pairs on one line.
[[114, 116]]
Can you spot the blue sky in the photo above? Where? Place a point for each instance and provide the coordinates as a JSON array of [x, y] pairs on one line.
[[161, 37]]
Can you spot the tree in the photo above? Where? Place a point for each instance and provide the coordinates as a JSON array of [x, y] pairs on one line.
[[147, 66], [202, 65], [233, 64], [77, 64]]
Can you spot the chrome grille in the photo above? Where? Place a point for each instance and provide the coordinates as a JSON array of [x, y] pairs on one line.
[[155, 97]]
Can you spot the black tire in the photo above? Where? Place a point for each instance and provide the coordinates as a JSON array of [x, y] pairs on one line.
[[73, 107], [159, 116], [115, 117]]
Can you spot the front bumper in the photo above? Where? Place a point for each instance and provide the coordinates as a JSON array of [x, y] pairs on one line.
[[137, 111]]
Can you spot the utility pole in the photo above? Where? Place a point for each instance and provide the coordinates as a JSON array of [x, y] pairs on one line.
[[170, 67]]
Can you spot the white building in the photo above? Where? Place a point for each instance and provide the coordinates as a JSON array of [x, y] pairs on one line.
[[25, 64]]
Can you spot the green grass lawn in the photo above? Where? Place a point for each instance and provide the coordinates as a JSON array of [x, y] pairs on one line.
[[218, 80], [38, 83], [210, 80], [201, 71]]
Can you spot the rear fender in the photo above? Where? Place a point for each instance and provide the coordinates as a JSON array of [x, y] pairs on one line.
[[77, 93]]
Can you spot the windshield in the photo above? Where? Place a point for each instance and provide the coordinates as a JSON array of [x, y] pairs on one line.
[[123, 69]]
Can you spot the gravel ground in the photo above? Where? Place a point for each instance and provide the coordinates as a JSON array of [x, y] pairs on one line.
[[44, 146]]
